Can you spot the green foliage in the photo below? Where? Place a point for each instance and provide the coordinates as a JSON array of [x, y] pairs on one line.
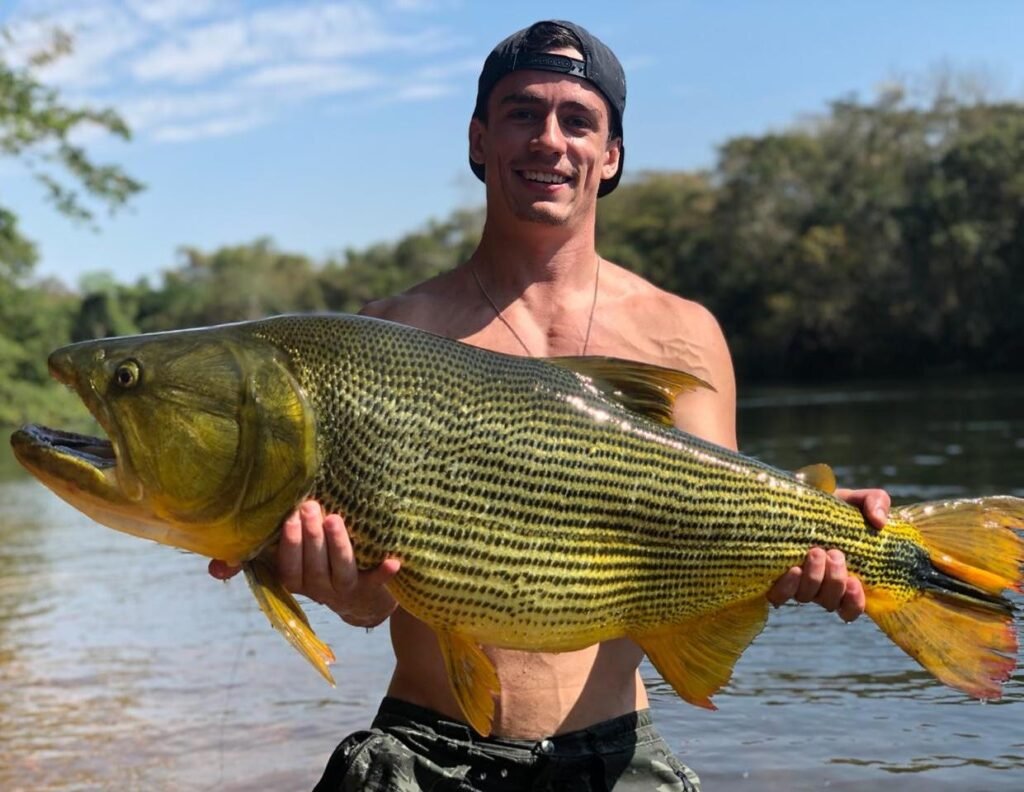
[[36, 129], [35, 321], [230, 284], [658, 220], [385, 269], [882, 238], [879, 239]]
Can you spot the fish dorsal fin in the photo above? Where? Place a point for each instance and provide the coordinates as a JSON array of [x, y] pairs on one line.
[[819, 476], [697, 657], [640, 387], [473, 679]]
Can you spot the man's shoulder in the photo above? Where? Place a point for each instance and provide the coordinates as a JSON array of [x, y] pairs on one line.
[[667, 311], [664, 328], [419, 306]]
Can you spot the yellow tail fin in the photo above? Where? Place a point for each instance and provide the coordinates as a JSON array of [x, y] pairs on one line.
[[286, 615], [957, 625], [973, 540]]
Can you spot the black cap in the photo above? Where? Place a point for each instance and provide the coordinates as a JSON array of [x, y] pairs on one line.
[[599, 67]]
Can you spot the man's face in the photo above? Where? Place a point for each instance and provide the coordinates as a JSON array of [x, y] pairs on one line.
[[545, 145]]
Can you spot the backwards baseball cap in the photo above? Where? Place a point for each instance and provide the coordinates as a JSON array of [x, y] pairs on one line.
[[599, 67]]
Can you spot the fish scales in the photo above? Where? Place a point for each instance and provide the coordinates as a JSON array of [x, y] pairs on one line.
[[469, 464]]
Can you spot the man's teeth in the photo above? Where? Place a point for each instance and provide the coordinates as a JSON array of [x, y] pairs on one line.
[[546, 178]]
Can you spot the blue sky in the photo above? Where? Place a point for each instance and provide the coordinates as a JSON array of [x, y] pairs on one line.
[[328, 125]]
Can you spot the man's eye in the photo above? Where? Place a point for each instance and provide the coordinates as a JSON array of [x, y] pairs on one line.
[[521, 115], [579, 122]]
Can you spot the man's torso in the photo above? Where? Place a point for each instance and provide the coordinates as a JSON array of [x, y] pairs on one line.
[[546, 694]]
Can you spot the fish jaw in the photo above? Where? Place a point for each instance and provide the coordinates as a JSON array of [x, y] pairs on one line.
[[90, 473], [82, 471]]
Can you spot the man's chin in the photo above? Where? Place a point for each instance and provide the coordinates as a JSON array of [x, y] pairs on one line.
[[545, 215]]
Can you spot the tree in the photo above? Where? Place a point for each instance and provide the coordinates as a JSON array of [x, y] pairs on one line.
[[37, 129]]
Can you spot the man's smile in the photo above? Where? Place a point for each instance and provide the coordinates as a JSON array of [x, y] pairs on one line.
[[544, 177]]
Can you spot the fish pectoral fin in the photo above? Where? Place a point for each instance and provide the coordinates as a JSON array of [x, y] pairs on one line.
[[697, 656], [819, 476], [286, 615], [473, 678], [640, 387]]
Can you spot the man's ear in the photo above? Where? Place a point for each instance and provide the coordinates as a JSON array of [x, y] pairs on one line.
[[477, 131], [613, 158]]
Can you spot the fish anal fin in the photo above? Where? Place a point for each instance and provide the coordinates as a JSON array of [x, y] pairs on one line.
[[473, 679], [640, 387], [286, 615], [819, 476], [969, 647], [973, 539], [697, 656]]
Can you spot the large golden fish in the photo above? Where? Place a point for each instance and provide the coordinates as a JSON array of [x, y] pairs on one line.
[[536, 505]]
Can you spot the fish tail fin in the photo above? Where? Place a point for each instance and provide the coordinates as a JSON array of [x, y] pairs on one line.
[[956, 623], [286, 615], [973, 540]]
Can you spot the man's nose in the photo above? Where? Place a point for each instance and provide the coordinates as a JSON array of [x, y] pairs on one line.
[[549, 136]]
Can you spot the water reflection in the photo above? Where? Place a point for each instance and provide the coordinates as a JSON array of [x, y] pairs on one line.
[[124, 666]]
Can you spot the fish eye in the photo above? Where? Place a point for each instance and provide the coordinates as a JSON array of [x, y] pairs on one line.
[[128, 373]]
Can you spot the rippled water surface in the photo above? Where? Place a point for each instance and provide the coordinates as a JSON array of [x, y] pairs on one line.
[[123, 665]]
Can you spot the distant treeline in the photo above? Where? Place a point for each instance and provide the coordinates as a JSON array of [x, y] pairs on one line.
[[880, 238]]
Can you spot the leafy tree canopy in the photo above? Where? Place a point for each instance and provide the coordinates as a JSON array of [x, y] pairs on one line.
[[37, 128]]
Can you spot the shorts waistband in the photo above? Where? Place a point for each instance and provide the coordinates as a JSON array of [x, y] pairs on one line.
[[630, 729]]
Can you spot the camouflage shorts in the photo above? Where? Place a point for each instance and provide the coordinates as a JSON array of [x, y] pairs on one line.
[[410, 748]]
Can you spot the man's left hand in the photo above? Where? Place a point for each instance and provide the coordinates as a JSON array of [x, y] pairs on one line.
[[823, 577]]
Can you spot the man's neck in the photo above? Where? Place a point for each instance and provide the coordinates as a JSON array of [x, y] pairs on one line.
[[544, 261]]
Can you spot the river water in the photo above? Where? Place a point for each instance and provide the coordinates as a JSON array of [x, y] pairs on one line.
[[124, 666]]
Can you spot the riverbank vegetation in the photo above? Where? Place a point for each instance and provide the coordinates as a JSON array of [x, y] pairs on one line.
[[882, 237]]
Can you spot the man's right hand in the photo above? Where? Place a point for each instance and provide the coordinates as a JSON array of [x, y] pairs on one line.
[[315, 559]]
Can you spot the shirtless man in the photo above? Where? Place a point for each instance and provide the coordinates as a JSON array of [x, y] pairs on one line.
[[546, 138]]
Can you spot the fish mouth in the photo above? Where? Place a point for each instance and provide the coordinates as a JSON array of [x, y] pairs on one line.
[[75, 466], [72, 464], [95, 451]]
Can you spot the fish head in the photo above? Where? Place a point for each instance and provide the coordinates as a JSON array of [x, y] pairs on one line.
[[210, 438]]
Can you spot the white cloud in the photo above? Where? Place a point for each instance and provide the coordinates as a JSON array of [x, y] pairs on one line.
[[209, 128], [100, 33], [418, 92], [312, 79], [456, 68], [276, 35], [200, 53], [412, 5], [185, 69], [163, 11], [153, 111], [338, 30]]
